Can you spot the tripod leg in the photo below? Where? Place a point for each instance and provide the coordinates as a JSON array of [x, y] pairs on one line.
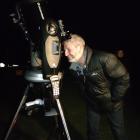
[[17, 112], [63, 119], [55, 85]]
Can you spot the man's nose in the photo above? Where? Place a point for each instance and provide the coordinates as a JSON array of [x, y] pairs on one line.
[[66, 52]]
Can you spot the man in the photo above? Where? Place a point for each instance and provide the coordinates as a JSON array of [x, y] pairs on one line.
[[105, 81]]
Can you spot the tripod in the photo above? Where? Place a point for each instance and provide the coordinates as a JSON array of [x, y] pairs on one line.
[[36, 77]]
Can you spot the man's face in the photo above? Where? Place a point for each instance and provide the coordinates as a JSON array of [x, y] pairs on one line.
[[72, 52]]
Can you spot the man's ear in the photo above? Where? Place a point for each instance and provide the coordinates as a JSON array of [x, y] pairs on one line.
[[79, 48]]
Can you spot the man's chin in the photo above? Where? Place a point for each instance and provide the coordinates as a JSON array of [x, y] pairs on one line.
[[71, 60]]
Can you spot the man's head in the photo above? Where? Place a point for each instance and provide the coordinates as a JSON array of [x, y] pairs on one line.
[[74, 48]]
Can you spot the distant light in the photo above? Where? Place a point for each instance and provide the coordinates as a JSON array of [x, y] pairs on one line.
[[2, 65], [14, 65]]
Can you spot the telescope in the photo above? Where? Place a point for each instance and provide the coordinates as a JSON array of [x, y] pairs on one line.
[[44, 36], [45, 52]]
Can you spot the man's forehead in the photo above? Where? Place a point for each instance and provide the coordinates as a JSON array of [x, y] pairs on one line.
[[69, 44]]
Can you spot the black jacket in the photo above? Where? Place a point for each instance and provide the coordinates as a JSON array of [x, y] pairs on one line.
[[106, 81]]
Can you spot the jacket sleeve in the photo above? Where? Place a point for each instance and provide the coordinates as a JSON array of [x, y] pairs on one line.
[[118, 75]]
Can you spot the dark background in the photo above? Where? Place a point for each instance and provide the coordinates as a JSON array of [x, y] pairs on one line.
[[105, 25], [109, 24]]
